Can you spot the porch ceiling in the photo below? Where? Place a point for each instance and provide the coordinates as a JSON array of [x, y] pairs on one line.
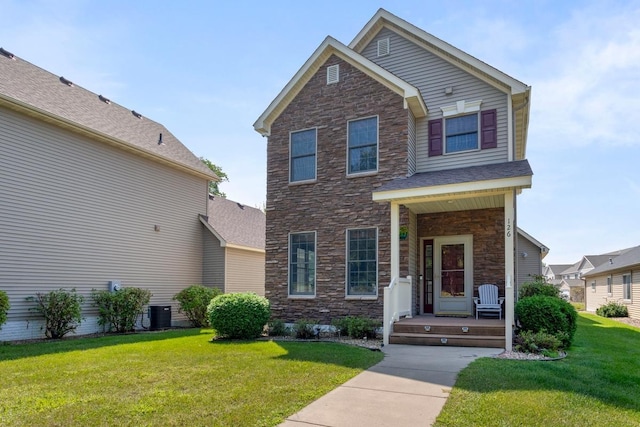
[[457, 202]]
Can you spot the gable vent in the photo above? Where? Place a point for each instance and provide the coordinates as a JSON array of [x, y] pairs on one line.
[[333, 74], [103, 99], [7, 53], [383, 47], [66, 81]]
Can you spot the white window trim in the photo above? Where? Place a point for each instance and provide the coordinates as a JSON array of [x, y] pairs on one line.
[[333, 74], [369, 172], [346, 266], [315, 270], [444, 135], [630, 287], [304, 181], [460, 108]]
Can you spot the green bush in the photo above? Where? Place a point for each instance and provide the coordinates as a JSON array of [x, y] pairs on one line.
[[538, 342], [538, 287], [61, 310], [194, 301], [4, 307], [305, 329], [277, 328], [357, 327], [613, 309], [541, 313], [240, 315], [118, 311]]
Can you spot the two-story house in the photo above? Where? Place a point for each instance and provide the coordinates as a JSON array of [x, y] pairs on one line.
[[396, 156]]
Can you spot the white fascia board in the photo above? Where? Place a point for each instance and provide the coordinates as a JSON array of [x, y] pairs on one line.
[[533, 240], [378, 20], [465, 187], [412, 97], [223, 242]]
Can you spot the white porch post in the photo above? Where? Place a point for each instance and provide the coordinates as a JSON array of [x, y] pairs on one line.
[[509, 265], [395, 240]]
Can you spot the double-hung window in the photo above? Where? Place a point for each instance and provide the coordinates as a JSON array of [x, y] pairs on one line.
[[302, 165], [302, 264], [461, 133], [363, 145], [626, 286], [362, 262]]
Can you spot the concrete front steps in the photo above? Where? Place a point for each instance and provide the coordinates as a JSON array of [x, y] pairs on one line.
[[455, 332]]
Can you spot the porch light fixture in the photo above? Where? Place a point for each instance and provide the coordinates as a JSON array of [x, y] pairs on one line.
[[524, 254]]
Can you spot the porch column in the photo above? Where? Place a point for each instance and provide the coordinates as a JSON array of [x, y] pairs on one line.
[[395, 240], [509, 265]]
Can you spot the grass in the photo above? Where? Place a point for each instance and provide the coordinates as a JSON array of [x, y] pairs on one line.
[[597, 384], [169, 378]]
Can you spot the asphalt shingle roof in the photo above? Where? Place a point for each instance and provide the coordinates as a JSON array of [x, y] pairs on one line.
[[237, 224], [25, 84], [628, 258], [460, 175]]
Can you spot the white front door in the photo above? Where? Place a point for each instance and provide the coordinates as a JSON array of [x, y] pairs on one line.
[[453, 274]]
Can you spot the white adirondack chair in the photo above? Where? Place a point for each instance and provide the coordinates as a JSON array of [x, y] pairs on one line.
[[488, 300]]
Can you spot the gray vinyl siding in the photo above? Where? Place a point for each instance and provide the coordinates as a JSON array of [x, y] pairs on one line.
[[245, 271], [529, 266], [411, 157], [431, 75], [214, 261], [76, 213]]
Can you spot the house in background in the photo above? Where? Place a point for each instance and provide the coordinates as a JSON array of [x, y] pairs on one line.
[[553, 273], [529, 253], [234, 247], [91, 192], [393, 168], [617, 279]]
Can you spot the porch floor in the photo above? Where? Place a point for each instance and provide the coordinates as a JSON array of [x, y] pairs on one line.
[[450, 331]]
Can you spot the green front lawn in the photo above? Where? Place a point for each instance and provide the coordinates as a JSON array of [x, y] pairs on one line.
[[168, 378], [598, 384]]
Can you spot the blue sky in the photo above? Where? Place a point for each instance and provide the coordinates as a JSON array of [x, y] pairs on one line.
[[208, 69]]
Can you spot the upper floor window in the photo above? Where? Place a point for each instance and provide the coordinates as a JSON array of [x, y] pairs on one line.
[[461, 133], [302, 165], [362, 262], [363, 145], [626, 286], [302, 264]]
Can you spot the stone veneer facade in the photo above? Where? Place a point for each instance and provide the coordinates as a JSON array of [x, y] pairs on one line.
[[334, 202], [487, 228]]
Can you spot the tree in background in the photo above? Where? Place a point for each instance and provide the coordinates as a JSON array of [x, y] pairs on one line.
[[213, 185]]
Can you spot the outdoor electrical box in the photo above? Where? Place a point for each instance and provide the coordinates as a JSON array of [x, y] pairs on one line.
[[114, 285], [159, 317]]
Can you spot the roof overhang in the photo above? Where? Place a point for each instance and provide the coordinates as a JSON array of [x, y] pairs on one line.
[[330, 46], [37, 113]]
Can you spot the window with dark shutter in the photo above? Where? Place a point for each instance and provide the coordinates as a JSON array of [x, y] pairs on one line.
[[488, 120], [435, 137]]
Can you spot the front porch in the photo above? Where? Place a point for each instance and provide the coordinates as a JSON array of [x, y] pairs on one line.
[[449, 331]]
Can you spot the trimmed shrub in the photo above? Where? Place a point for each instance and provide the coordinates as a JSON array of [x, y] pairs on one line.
[[553, 315], [537, 342], [357, 327], [4, 307], [277, 328], [613, 309], [61, 310], [194, 301], [305, 329], [538, 287], [118, 311], [240, 315]]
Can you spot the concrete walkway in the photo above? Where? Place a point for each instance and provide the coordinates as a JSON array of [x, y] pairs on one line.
[[408, 388]]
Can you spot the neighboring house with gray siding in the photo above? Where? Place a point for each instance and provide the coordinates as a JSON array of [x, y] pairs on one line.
[[398, 131], [553, 273], [530, 253], [91, 192], [234, 247], [617, 280]]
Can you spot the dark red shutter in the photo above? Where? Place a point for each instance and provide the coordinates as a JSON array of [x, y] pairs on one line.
[[435, 137], [489, 129]]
